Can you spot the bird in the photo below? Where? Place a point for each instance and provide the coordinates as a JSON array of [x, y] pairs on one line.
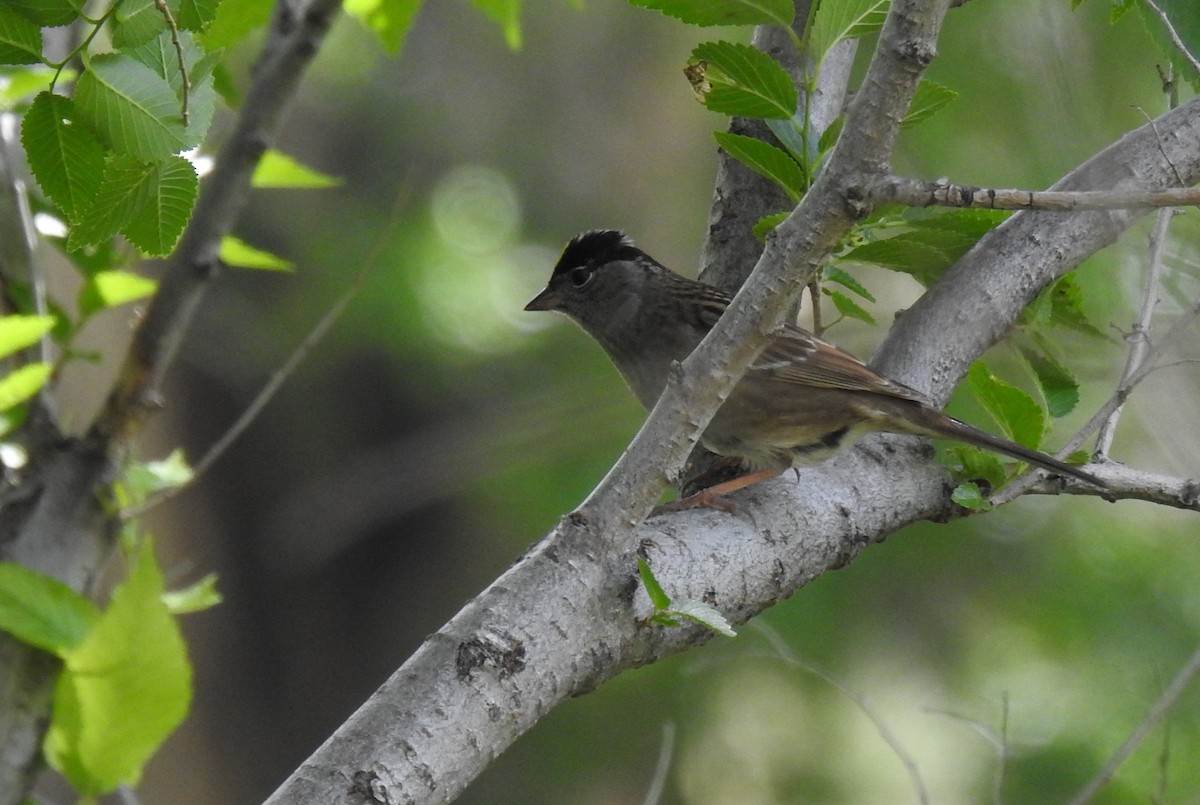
[[800, 401]]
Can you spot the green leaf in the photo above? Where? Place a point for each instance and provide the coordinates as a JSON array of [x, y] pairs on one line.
[[236, 252], [971, 225], [157, 224], [123, 690], [106, 289], [1059, 387], [846, 280], [20, 38], [133, 109], [704, 615], [66, 158], [1066, 307], [48, 13], [142, 479], [235, 20], [138, 21], [765, 225], [848, 307], [42, 611], [1017, 414], [902, 253], [928, 99], [18, 332], [506, 14], [195, 15], [22, 383], [278, 170], [744, 81], [765, 160], [725, 12], [974, 464], [658, 597], [22, 82], [969, 496], [194, 598], [123, 190], [844, 19], [390, 20]]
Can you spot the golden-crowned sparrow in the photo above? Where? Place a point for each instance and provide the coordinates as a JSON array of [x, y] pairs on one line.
[[799, 402]]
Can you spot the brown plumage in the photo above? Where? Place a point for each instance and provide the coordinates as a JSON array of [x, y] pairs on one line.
[[799, 402]]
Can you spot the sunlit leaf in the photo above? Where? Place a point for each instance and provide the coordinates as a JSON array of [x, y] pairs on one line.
[[844, 19], [390, 20], [195, 597], [969, 496], [22, 383], [123, 690], [506, 14], [277, 169], [658, 597], [106, 289], [18, 332], [236, 252], [704, 615], [1019, 416], [42, 611]]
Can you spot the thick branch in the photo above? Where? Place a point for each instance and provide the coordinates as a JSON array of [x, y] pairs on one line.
[[562, 619]]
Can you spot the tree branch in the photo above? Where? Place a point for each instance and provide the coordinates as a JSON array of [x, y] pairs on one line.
[[565, 617]]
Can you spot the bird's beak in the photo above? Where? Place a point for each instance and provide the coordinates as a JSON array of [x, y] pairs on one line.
[[546, 300]]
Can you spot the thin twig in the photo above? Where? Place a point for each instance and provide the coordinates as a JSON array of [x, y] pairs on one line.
[[1139, 335], [285, 371], [917, 193], [666, 751], [998, 741], [1165, 702], [173, 27], [784, 652], [1175, 38], [1020, 485]]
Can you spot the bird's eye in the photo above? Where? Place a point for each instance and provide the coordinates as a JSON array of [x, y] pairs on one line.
[[581, 276]]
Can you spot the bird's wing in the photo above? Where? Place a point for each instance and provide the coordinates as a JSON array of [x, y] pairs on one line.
[[797, 356]]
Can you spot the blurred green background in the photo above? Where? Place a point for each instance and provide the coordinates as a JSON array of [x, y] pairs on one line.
[[440, 430]]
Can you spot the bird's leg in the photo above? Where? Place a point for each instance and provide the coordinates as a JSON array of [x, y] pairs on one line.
[[714, 496]]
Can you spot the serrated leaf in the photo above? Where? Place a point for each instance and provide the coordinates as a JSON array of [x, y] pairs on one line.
[[1066, 307], [745, 82], [20, 38], [1018, 415], [22, 383], [924, 262], [703, 614], [66, 159], [42, 611], [844, 19], [834, 274], [195, 15], [18, 332], [278, 170], [390, 20], [106, 289], [1058, 385], [724, 12], [658, 598], [969, 496], [506, 14], [195, 597], [848, 307], [125, 188], [139, 21], [133, 109], [969, 224], [766, 160], [238, 253], [972, 463], [928, 99], [235, 20], [48, 13], [763, 226], [157, 224], [123, 690]]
